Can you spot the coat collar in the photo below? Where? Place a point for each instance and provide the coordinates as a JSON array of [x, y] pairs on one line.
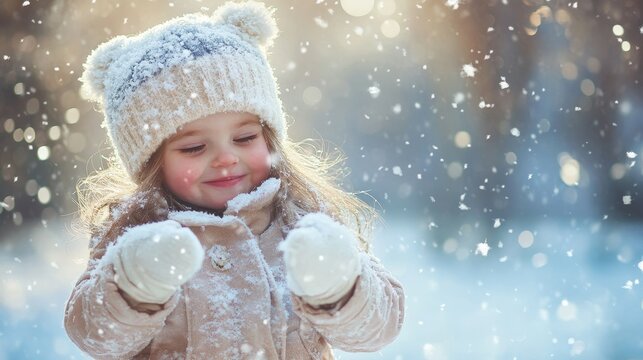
[[254, 209]]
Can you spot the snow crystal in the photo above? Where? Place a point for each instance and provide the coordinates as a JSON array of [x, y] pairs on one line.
[[374, 91], [454, 4], [483, 248], [468, 70], [321, 22], [503, 83]]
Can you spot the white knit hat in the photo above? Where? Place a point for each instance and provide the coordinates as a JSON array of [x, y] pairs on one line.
[[179, 71]]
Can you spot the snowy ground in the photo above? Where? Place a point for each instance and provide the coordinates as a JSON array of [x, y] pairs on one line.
[[572, 292]]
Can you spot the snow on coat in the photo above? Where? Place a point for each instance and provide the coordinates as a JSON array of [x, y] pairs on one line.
[[238, 305]]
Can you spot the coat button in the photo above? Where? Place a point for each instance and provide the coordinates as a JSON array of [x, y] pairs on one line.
[[220, 257]]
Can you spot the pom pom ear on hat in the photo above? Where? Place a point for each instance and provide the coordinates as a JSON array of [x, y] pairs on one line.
[[253, 20], [97, 66]]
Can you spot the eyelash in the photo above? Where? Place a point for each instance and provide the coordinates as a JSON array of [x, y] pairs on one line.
[[247, 139], [195, 149]]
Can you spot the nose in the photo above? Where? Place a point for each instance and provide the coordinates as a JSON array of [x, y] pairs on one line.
[[225, 158]]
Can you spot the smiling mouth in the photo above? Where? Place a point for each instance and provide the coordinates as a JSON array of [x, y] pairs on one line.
[[226, 181]]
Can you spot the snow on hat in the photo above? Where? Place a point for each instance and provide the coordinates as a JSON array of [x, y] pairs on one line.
[[181, 70]]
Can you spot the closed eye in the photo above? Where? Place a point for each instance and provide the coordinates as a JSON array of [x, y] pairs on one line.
[[192, 149], [246, 139]]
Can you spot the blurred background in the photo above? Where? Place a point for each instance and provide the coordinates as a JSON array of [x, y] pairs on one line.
[[500, 139]]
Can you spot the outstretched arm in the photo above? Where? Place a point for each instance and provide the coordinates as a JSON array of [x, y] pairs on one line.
[[121, 301], [347, 295]]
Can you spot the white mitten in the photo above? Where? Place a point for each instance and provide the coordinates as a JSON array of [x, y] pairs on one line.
[[322, 259], [153, 260]]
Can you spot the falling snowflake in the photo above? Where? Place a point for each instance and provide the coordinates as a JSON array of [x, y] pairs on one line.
[[483, 248], [463, 206], [503, 83], [468, 70], [627, 199], [321, 22], [374, 91], [454, 4]]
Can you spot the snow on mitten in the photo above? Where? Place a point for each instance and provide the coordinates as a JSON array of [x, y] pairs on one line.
[[322, 259], [153, 260]]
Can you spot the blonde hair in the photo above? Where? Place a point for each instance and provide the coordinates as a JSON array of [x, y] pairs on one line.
[[309, 183]]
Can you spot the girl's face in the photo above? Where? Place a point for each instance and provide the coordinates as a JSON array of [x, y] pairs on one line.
[[211, 160]]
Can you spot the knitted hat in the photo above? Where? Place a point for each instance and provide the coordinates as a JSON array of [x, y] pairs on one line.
[[179, 71]]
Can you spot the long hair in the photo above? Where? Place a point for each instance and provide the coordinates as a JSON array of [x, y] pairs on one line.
[[310, 181]]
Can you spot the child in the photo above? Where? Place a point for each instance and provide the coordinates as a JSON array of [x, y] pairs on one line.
[[228, 243]]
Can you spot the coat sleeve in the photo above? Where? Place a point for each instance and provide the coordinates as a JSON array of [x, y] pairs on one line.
[[367, 319], [101, 322]]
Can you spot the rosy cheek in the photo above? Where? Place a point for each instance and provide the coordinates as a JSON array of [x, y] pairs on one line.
[[184, 178], [189, 176], [261, 163]]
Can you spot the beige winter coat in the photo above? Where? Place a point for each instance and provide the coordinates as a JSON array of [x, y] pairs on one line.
[[238, 305]]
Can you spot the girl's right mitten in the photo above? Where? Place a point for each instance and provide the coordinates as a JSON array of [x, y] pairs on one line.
[[152, 261]]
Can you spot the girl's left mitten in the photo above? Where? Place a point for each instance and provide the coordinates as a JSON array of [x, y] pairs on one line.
[[322, 259]]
